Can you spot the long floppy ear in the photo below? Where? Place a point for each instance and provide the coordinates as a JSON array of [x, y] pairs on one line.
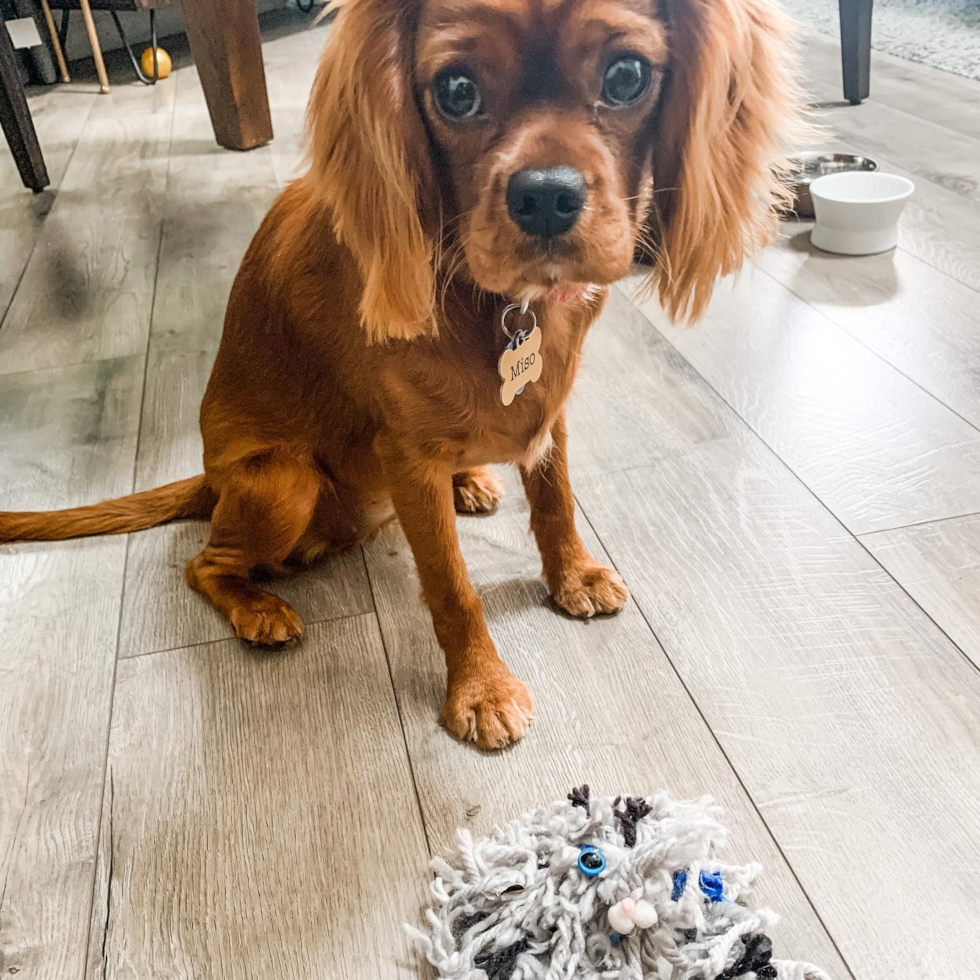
[[730, 110], [369, 158]]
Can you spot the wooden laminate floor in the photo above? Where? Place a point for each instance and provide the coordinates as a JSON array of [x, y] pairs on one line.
[[792, 490]]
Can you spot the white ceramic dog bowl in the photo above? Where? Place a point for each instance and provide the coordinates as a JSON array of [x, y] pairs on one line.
[[857, 213]]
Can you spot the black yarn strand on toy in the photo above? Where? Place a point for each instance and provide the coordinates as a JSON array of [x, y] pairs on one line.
[[755, 959], [501, 964], [636, 809]]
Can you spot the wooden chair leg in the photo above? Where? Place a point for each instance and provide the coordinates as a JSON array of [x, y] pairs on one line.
[[59, 54], [227, 48], [93, 39], [855, 46], [15, 118]]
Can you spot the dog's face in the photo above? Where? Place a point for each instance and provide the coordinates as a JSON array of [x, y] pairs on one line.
[[531, 144], [543, 115]]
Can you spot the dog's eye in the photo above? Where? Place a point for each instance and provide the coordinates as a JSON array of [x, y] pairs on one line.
[[457, 95], [626, 80]]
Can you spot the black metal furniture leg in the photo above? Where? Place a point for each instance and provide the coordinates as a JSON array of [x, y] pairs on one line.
[[15, 118], [855, 46], [63, 28], [133, 60]]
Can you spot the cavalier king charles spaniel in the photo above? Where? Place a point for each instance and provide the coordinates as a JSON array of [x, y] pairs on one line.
[[480, 173]]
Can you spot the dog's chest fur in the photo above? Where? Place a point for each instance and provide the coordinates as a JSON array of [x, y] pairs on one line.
[[449, 390]]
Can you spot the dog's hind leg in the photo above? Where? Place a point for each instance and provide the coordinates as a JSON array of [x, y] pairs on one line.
[[477, 490], [265, 503]]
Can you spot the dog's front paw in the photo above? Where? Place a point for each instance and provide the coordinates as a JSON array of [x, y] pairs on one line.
[[477, 490], [488, 706], [590, 589]]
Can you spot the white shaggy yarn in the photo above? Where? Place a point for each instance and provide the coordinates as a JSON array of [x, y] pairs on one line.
[[519, 905]]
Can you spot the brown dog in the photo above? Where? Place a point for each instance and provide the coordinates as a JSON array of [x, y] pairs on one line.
[[465, 154]]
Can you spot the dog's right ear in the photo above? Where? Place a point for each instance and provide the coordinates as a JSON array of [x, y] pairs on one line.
[[369, 157]]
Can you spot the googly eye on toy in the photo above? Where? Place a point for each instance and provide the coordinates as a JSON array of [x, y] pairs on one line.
[[591, 861]]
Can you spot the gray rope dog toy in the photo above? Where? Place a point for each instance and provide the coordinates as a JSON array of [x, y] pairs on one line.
[[603, 889]]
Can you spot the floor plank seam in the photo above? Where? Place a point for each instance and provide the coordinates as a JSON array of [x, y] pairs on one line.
[[231, 636], [954, 135], [755, 432], [105, 762], [125, 570], [789, 469], [34, 372], [902, 527], [918, 170], [153, 295], [966, 657], [721, 749], [109, 874], [857, 339], [398, 708]]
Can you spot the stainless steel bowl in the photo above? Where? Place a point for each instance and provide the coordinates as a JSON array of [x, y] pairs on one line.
[[809, 166]]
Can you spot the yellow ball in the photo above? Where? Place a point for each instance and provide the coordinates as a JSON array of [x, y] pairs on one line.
[[163, 63]]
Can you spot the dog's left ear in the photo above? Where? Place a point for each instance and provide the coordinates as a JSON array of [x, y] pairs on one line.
[[369, 155], [729, 112]]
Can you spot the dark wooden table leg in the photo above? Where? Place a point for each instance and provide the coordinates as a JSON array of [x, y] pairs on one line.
[[855, 46], [15, 118], [227, 49]]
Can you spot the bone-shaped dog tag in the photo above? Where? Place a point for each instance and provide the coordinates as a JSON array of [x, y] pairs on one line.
[[520, 365]]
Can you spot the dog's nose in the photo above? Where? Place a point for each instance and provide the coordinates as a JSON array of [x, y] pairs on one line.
[[546, 203]]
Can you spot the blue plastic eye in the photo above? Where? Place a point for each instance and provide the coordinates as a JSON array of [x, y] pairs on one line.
[[591, 861]]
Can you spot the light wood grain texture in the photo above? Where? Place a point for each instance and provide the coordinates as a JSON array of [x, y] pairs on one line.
[[65, 434], [874, 447], [917, 319], [59, 606], [262, 817], [929, 94], [22, 214], [925, 147], [850, 719], [939, 566], [90, 278], [68, 435], [609, 709], [215, 202]]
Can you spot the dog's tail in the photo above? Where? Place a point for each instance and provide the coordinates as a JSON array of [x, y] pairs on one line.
[[183, 500]]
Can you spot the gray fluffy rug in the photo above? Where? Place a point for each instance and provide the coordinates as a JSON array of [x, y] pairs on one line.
[[941, 33]]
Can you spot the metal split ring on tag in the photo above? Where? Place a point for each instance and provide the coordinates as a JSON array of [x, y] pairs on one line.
[[521, 362], [522, 310]]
